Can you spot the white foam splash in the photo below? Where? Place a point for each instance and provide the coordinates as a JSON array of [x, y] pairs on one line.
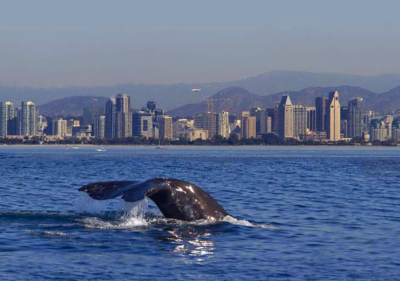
[[232, 220], [86, 204], [128, 214], [132, 214]]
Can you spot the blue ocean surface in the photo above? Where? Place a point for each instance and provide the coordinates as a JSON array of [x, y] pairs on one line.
[[299, 213]]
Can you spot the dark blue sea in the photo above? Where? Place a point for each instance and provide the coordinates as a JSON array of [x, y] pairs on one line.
[[300, 213]]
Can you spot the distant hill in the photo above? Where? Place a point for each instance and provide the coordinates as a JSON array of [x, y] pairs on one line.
[[71, 106], [173, 96], [389, 100], [236, 99]]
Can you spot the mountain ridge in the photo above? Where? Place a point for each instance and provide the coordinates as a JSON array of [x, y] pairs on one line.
[[176, 95]]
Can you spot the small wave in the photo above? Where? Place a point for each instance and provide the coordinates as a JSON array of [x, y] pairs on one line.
[[232, 220], [49, 233]]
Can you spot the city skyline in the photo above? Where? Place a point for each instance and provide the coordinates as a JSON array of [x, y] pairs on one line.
[[327, 121]]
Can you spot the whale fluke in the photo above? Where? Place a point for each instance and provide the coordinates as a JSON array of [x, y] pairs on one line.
[[175, 198]]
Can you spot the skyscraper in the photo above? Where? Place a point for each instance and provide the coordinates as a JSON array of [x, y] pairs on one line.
[[355, 118], [6, 117], [142, 124], [123, 125], [110, 117], [248, 125], [118, 117], [320, 112], [299, 122], [261, 120], [99, 125], [165, 127], [223, 128], [286, 129], [311, 119], [151, 106], [28, 118], [333, 117]]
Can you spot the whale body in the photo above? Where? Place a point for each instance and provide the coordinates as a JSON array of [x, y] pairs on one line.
[[175, 198]]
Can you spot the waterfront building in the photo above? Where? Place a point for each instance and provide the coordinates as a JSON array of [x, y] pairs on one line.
[[201, 121], [275, 123], [343, 121], [248, 123], [261, 120], [377, 129], [6, 117], [99, 127], [110, 117], [367, 118], [192, 134], [355, 118], [118, 117], [142, 124], [311, 118], [286, 129], [333, 117], [320, 114], [28, 119], [179, 126], [59, 127], [165, 127], [299, 122], [42, 124], [396, 130], [123, 119], [270, 119], [223, 128]]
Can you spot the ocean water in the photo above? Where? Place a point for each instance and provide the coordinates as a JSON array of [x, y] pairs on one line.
[[299, 213]]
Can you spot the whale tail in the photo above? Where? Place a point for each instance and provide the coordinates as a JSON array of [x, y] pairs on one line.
[[175, 198]]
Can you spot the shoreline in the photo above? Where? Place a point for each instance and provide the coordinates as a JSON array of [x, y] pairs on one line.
[[190, 145]]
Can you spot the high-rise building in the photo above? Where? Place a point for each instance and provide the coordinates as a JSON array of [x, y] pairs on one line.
[[99, 127], [261, 120], [333, 117], [223, 127], [118, 117], [142, 124], [165, 127], [123, 126], [275, 126], [343, 121], [110, 117], [29, 121], [299, 122], [320, 114], [286, 129], [377, 130], [311, 118], [355, 114], [151, 106], [248, 125], [201, 121], [6, 117], [59, 127]]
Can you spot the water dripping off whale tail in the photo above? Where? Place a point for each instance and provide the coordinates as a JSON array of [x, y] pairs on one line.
[[175, 198]]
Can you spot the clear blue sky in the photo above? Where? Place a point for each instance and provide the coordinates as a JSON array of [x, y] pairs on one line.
[[61, 43]]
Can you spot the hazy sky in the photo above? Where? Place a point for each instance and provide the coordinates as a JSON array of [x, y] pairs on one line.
[[64, 43]]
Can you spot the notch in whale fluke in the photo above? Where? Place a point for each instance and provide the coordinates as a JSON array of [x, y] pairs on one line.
[[175, 198]]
